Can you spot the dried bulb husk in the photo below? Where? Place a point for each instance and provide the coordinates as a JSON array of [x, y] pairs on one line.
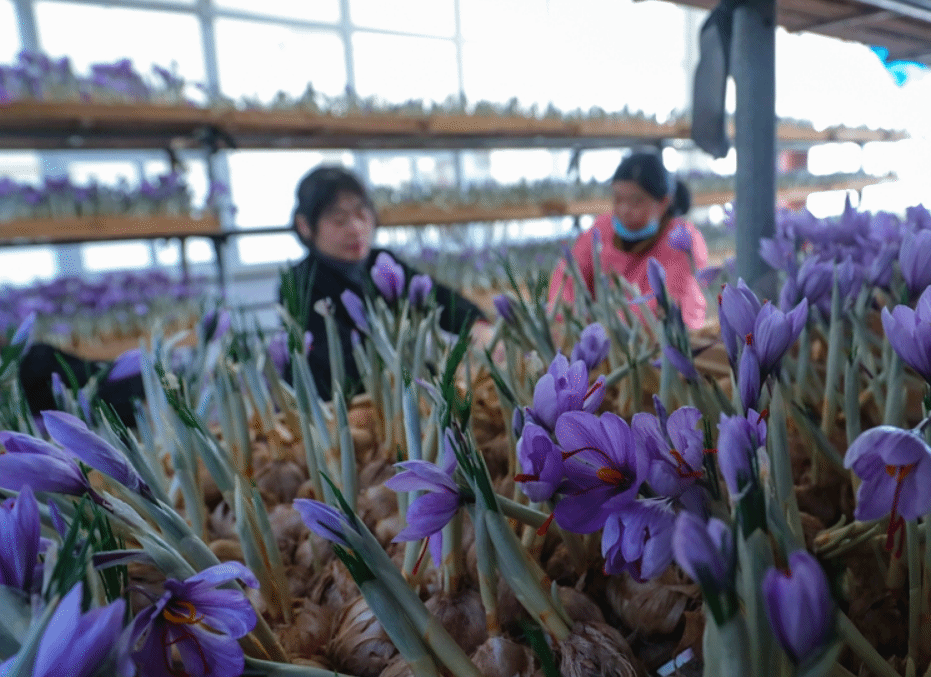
[[299, 580], [559, 566], [375, 472], [397, 668], [279, 481], [313, 552], [497, 452], [597, 650], [222, 522], [309, 632], [226, 549], [289, 530], [332, 586], [375, 503], [463, 616], [579, 606], [499, 656], [654, 607], [389, 527], [364, 442], [811, 527], [306, 490], [360, 645]]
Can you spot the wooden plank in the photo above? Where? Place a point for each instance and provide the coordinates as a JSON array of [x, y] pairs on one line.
[[97, 228]]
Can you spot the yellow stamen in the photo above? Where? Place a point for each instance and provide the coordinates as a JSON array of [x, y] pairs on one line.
[[189, 619], [610, 476]]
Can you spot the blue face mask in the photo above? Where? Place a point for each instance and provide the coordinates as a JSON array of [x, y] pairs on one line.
[[645, 233]]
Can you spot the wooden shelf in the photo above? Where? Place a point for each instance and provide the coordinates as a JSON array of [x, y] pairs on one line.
[[428, 214], [97, 228], [55, 124]]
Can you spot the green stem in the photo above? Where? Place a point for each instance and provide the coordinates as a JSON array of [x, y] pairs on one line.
[[914, 588], [522, 513], [861, 646]]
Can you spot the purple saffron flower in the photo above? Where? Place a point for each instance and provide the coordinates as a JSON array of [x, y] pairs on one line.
[[88, 644], [680, 238], [23, 335], [215, 324], [328, 523], [504, 306], [913, 260], [278, 351], [127, 365], [19, 540], [563, 388], [356, 309], [602, 466], [431, 511], [909, 332], [739, 307], [774, 332], [42, 466], [388, 276], [895, 466], [799, 606], [638, 539], [200, 621], [674, 447], [419, 290], [541, 463], [749, 380], [681, 363], [739, 437], [656, 275], [73, 434], [704, 551], [593, 346]]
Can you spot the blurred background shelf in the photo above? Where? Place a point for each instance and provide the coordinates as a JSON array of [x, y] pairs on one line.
[[100, 228]]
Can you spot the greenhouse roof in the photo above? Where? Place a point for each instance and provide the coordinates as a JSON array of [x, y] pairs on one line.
[[901, 26]]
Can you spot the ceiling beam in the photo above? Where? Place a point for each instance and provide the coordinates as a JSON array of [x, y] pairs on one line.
[[920, 12], [853, 21]]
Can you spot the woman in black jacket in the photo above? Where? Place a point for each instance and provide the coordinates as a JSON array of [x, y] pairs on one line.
[[336, 220]]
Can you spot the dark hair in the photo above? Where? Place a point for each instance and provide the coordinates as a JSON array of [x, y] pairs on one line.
[[648, 171], [319, 190]]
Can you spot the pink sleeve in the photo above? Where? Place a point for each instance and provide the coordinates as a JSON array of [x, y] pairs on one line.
[[683, 286], [582, 253]]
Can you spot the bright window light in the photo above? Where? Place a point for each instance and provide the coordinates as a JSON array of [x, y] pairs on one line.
[[390, 171], [829, 203], [309, 10], [22, 265], [259, 60], [104, 173], [831, 158], [110, 33], [513, 166], [430, 17], [400, 68], [20, 166], [167, 253], [121, 256], [9, 33], [269, 249], [264, 183]]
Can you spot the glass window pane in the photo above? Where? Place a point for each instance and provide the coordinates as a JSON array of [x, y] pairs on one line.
[[431, 17], [104, 173], [20, 166], [269, 249], [198, 250], [400, 68], [263, 183], [523, 58], [9, 33], [22, 265], [258, 59], [111, 33], [308, 10], [121, 256], [475, 17]]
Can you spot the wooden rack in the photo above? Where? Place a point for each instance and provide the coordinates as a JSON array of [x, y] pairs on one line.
[[55, 124]]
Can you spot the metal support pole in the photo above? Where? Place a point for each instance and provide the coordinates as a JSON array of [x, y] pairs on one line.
[[753, 58]]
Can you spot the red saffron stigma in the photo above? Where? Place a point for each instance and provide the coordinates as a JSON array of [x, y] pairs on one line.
[[750, 339], [683, 467], [896, 521], [546, 525], [764, 416], [523, 477]]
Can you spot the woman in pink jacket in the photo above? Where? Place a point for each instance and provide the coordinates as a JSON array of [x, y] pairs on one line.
[[646, 222]]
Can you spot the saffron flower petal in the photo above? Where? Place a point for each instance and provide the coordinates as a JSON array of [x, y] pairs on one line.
[[799, 606], [704, 551], [593, 346], [419, 290], [328, 523], [388, 276], [356, 310], [73, 434], [19, 540]]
